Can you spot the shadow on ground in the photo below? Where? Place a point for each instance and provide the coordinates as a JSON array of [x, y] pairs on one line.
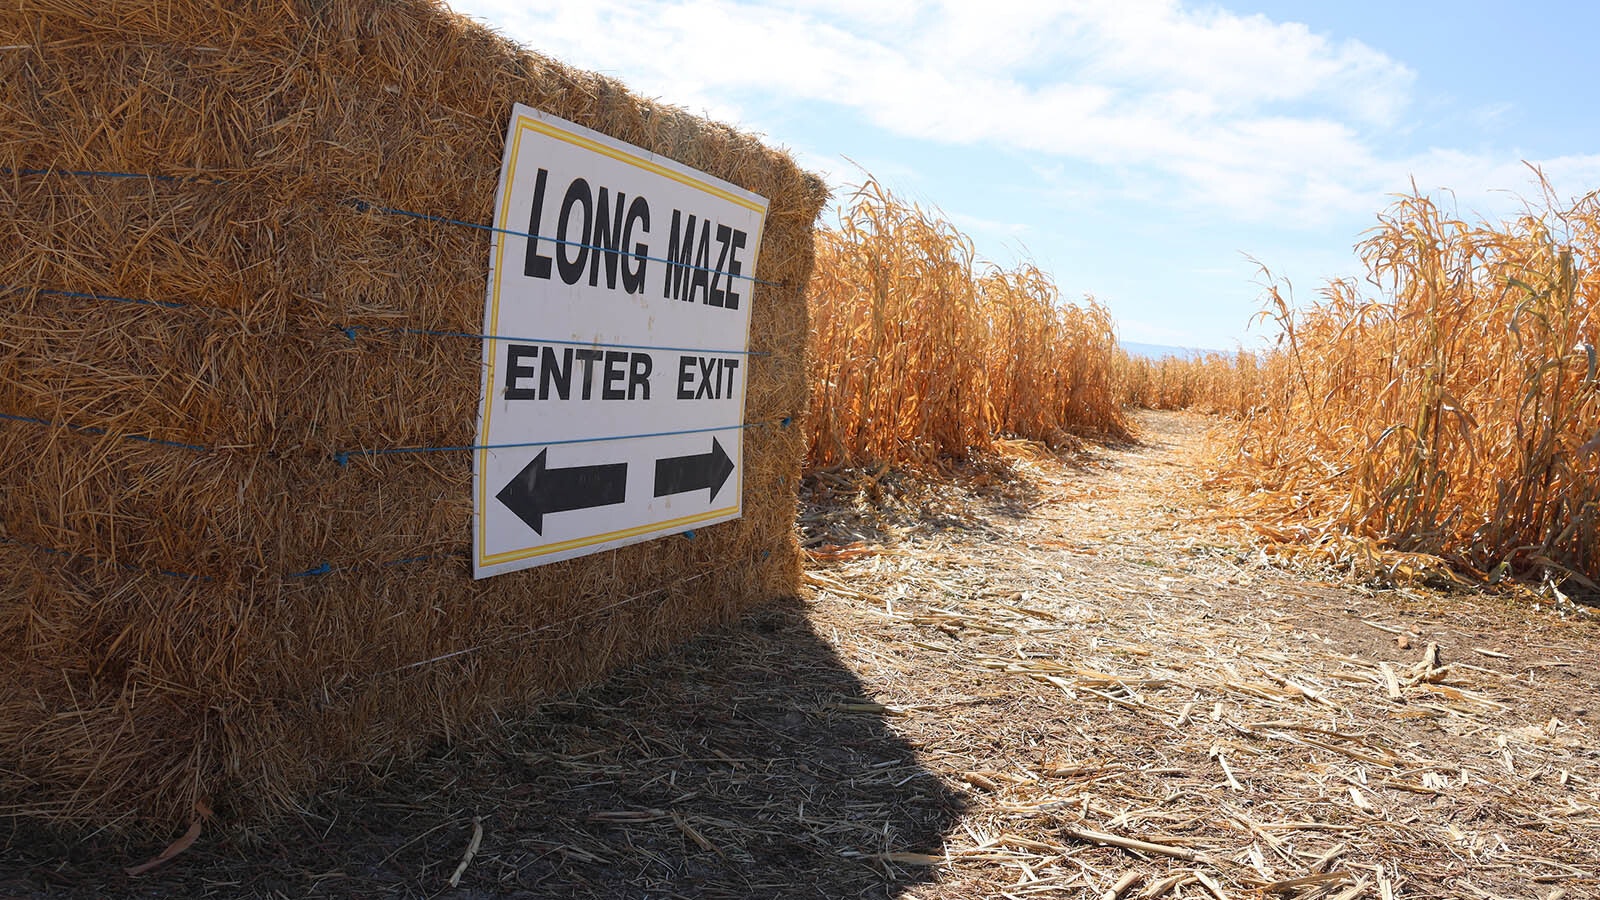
[[743, 764], [844, 505]]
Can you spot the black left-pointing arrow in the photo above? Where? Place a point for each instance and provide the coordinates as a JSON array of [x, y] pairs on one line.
[[537, 490], [694, 473]]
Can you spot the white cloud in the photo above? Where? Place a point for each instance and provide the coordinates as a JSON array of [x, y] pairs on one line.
[[1261, 120], [1241, 62], [1477, 186]]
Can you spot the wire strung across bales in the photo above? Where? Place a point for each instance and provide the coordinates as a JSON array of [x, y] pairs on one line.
[[1456, 415], [220, 586], [916, 358]]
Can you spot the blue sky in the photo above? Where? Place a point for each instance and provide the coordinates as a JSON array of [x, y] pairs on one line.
[[1139, 150]]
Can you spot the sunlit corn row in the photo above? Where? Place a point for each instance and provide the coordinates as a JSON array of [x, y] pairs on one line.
[[1455, 413], [917, 357], [1218, 383], [1049, 363]]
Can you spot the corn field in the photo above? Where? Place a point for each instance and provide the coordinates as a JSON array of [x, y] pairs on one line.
[[1455, 414], [921, 355], [1217, 383]]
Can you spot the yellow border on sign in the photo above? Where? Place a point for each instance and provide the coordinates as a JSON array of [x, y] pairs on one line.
[[529, 553], [648, 165], [525, 123]]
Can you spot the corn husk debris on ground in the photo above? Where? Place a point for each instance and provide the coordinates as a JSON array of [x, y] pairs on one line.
[[1068, 683]]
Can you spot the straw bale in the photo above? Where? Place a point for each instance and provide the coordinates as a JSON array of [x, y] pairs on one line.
[[240, 619]]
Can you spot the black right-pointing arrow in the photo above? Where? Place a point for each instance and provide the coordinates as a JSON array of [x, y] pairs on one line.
[[537, 491], [678, 474]]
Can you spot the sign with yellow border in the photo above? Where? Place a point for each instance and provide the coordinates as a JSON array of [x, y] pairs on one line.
[[615, 352]]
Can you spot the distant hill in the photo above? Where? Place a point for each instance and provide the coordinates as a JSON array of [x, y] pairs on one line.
[[1162, 351]]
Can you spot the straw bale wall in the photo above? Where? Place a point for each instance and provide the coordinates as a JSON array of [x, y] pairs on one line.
[[198, 601]]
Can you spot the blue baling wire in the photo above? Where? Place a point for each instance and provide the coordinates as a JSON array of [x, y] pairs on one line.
[[90, 173], [364, 206], [323, 568], [351, 331], [343, 456], [84, 295], [68, 553], [89, 429]]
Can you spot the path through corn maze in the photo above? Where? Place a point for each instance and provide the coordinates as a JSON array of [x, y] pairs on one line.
[[1133, 704], [1064, 677]]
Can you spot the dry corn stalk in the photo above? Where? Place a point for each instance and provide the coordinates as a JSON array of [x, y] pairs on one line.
[[916, 357], [1457, 413]]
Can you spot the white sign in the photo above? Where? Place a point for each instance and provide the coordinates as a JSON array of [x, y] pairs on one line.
[[616, 348]]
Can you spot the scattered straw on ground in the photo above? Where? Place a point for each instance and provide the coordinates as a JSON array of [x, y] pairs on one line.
[[1068, 684], [1137, 708]]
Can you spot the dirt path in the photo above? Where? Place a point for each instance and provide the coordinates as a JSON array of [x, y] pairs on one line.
[[1094, 657], [983, 695]]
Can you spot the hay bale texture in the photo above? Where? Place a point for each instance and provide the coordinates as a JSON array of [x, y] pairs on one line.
[[198, 601]]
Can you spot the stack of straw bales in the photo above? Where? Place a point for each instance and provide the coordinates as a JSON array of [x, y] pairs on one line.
[[199, 602]]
